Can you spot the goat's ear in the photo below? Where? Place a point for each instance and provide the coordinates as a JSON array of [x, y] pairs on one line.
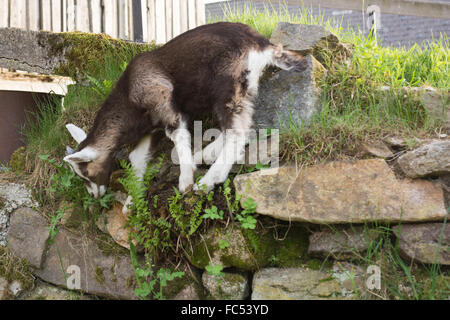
[[77, 133], [86, 155], [69, 151]]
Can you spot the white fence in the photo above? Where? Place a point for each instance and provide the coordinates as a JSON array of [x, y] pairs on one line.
[[160, 20]]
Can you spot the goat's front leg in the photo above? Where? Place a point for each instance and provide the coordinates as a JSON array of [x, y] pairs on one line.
[[232, 151], [181, 137], [139, 158]]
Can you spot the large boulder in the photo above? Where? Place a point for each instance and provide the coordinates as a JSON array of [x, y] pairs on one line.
[[109, 275], [309, 39], [294, 284], [425, 242], [27, 236], [430, 159], [288, 96], [341, 192], [294, 96]]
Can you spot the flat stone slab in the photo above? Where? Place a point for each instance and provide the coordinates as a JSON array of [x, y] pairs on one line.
[[342, 192], [103, 275], [294, 284], [27, 236], [423, 242]]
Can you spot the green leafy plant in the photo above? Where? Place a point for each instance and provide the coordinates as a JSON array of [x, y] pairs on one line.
[[215, 270], [223, 244], [147, 280], [150, 232], [246, 216], [213, 213]]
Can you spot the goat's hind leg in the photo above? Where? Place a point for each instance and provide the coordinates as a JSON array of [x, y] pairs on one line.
[[181, 137], [139, 158]]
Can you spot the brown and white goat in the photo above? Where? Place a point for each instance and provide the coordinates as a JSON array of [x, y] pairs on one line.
[[214, 69]]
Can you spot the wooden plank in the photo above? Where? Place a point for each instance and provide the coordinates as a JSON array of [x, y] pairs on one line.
[[130, 20], [192, 15], [176, 18], [64, 15], [184, 15], [95, 19], [169, 19], [33, 15], [440, 10], [160, 9], [82, 15], [151, 20], [71, 15], [18, 14], [4, 14], [56, 16], [46, 15], [144, 14], [123, 19], [110, 18], [201, 12]]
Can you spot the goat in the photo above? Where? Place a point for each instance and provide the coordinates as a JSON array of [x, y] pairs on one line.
[[214, 68]]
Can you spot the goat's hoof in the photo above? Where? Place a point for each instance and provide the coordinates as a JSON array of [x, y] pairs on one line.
[[198, 188], [187, 189]]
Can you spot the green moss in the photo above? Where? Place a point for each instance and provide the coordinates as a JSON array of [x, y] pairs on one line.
[[288, 250], [84, 52], [201, 252], [175, 286], [253, 249], [99, 275], [17, 161], [314, 264]]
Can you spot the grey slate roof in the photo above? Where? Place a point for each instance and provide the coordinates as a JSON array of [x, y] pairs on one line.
[[395, 31]]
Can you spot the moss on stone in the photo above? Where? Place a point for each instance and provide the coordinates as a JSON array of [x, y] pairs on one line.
[[17, 160], [84, 52], [252, 249], [287, 250], [201, 252]]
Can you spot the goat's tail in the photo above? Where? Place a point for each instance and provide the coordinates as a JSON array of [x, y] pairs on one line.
[[288, 60]]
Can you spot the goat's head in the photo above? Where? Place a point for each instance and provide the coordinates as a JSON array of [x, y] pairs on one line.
[[88, 163]]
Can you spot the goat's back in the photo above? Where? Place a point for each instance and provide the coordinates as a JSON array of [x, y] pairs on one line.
[[202, 64]]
